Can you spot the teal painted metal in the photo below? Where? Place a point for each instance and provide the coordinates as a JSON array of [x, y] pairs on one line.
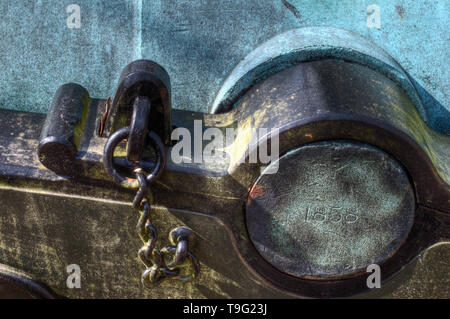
[[306, 44], [200, 42], [39, 53]]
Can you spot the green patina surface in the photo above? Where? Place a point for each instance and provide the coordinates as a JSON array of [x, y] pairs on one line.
[[199, 43]]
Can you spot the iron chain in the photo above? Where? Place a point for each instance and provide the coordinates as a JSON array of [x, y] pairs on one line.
[[157, 268], [184, 266]]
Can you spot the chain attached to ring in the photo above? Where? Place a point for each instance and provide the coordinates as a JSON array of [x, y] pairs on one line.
[[184, 266], [155, 259]]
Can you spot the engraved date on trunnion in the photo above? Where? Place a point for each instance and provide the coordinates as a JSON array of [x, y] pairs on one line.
[[334, 214]]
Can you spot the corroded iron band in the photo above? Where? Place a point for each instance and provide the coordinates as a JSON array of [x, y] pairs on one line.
[[15, 284]]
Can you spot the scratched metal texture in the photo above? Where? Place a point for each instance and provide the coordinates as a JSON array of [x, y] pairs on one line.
[[108, 260], [110, 268], [199, 43], [312, 218]]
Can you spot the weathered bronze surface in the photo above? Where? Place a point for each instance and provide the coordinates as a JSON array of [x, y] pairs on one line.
[[53, 221], [332, 209]]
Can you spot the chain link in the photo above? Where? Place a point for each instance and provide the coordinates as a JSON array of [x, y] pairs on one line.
[[184, 266], [157, 269]]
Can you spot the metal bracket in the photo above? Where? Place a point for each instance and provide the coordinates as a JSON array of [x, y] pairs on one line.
[[142, 101], [142, 84]]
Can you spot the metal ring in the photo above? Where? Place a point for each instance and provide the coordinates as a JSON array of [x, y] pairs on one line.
[[127, 182]]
